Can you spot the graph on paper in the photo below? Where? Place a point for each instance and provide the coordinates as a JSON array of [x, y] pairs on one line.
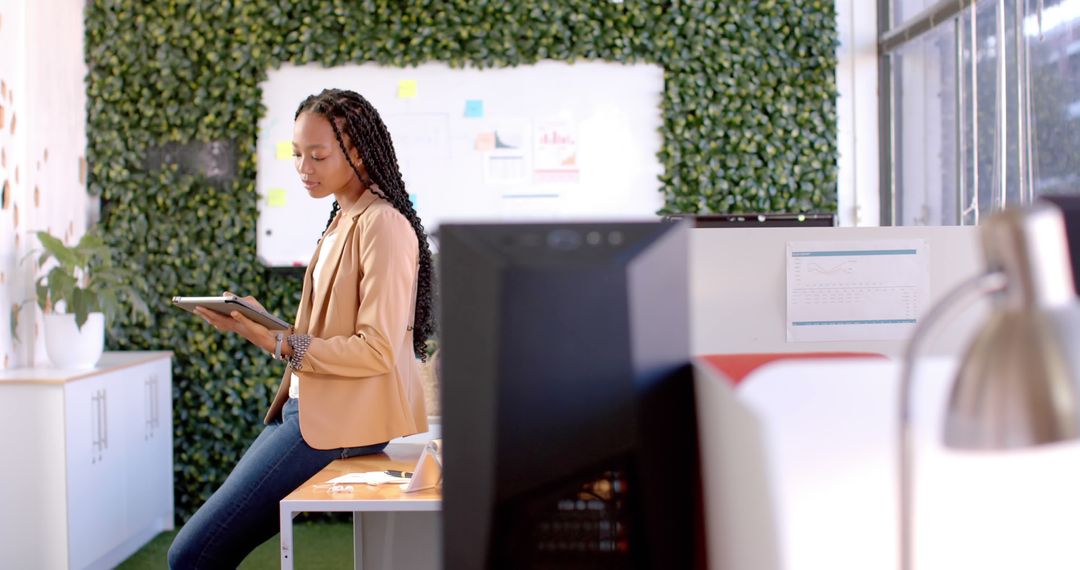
[[855, 290]]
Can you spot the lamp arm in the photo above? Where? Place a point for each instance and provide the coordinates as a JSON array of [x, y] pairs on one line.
[[959, 297]]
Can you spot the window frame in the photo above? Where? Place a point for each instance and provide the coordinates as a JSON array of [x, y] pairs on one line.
[[890, 40]]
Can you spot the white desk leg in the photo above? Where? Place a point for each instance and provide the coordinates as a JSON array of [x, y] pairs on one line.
[[287, 552], [358, 540]]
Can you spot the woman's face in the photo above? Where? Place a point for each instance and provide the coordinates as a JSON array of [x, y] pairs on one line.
[[318, 159]]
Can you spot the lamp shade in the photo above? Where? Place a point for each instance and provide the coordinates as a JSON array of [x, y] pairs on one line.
[[1019, 382]]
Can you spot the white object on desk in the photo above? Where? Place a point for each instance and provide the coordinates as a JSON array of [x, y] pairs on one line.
[[87, 461], [368, 478], [830, 431], [428, 472]]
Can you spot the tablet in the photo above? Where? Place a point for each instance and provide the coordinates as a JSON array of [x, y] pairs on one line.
[[226, 304]]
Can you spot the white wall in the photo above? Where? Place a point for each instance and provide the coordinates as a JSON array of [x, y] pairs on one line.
[[43, 145], [857, 113]]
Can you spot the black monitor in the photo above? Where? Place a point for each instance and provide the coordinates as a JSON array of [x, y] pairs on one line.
[[759, 220], [568, 410], [1070, 212]]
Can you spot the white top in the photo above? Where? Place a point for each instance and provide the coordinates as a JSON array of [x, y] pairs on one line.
[[109, 362], [327, 243]]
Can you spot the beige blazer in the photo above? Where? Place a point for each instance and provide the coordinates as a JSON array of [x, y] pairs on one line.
[[361, 383]]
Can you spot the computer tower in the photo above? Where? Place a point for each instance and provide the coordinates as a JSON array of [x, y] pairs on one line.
[[568, 415]]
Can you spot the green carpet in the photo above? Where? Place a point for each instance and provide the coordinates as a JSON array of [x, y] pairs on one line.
[[318, 545]]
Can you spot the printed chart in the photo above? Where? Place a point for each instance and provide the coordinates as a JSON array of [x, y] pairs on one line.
[[855, 290]]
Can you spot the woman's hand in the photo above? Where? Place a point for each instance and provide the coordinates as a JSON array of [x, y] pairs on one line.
[[249, 299], [257, 334]]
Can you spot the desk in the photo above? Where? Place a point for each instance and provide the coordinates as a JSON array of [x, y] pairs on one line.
[[363, 499]]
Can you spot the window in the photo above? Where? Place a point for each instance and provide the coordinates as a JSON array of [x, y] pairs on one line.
[[904, 11], [983, 107], [1054, 83], [924, 86]]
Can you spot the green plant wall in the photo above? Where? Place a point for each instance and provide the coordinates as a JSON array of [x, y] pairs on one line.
[[748, 126]]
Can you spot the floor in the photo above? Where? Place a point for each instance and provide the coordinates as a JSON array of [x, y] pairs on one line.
[[322, 545]]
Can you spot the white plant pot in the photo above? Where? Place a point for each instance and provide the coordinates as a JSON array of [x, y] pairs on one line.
[[70, 347]]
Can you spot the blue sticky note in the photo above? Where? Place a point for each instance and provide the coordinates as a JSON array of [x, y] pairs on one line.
[[474, 108], [412, 200]]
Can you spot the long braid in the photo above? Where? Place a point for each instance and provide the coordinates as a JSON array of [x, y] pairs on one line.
[[366, 130], [333, 212]]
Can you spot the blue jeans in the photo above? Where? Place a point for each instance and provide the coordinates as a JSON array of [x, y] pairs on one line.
[[243, 512]]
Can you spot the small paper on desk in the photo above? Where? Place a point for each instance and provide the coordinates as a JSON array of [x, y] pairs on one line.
[[369, 477]]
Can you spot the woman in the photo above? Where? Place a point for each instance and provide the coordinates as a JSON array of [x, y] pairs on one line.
[[351, 381]]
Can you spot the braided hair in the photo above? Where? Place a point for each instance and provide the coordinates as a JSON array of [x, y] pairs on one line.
[[353, 117]]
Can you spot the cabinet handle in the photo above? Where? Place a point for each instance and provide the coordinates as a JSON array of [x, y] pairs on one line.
[[148, 423], [98, 411], [105, 419], [154, 402], [95, 428]]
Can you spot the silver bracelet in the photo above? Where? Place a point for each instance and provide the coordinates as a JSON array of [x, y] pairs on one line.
[[299, 344], [278, 339]]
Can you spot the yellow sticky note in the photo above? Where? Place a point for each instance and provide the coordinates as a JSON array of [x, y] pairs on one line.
[[485, 141], [406, 89], [276, 197], [284, 150]]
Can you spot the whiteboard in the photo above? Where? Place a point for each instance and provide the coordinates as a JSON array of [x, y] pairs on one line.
[[551, 141]]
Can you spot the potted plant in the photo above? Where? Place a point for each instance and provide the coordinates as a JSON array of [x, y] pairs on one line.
[[78, 293]]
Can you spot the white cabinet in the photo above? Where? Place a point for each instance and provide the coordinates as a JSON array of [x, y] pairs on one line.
[[148, 440], [87, 474], [93, 467]]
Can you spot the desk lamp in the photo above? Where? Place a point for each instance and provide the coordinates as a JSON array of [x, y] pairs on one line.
[[1018, 385]]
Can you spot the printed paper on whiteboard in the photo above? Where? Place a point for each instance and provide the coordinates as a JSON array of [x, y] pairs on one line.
[[855, 290], [555, 152]]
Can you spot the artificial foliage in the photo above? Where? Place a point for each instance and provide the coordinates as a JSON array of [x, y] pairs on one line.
[[748, 126]]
